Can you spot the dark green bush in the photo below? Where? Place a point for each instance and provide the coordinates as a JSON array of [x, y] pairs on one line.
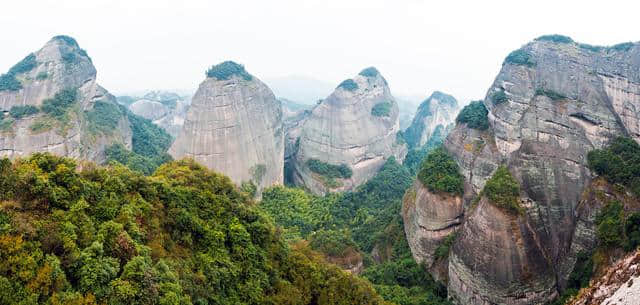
[[555, 38], [67, 39], [226, 70], [348, 85], [42, 76], [329, 170], [520, 57], [25, 65], [623, 47], [618, 163], [332, 242], [475, 115], [381, 109], [415, 156], [60, 103], [18, 112], [499, 97], [610, 225], [550, 94], [104, 117], [440, 173], [136, 162], [8, 82], [503, 190], [582, 271], [369, 72], [442, 251], [591, 48]]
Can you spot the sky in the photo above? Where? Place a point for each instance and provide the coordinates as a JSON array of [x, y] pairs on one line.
[[419, 46]]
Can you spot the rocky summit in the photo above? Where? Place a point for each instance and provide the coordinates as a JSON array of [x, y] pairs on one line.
[[348, 136], [165, 109], [438, 111], [50, 102], [234, 126], [553, 101]]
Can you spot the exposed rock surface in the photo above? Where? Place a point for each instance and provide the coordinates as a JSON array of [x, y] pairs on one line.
[[342, 129], [59, 65], [165, 109], [234, 126], [549, 106], [619, 284], [440, 109]]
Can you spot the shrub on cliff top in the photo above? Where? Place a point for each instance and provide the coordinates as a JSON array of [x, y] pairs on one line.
[[440, 173], [475, 115], [618, 163], [329, 170], [18, 112], [369, 72], [225, 70], [555, 38], [520, 57], [348, 85], [503, 190]]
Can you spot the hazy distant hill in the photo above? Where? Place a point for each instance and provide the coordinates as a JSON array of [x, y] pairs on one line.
[[303, 89]]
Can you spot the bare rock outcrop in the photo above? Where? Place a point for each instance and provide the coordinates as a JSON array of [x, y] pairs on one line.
[[165, 109], [553, 101], [234, 126], [59, 67], [438, 111], [355, 127]]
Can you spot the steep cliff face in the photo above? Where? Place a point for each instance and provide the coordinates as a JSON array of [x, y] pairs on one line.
[[355, 128], [165, 109], [440, 109], [48, 101], [552, 102], [234, 126]]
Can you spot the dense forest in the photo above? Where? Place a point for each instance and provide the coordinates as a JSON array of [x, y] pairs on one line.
[[77, 233]]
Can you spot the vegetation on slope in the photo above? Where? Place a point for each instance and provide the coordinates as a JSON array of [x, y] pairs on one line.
[[227, 69], [520, 57], [329, 171], [18, 112], [369, 72], [618, 163], [185, 235], [8, 81], [365, 219], [440, 173], [503, 190], [381, 109], [349, 85], [475, 115], [415, 156]]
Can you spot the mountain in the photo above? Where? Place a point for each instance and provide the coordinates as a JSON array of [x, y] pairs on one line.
[[50, 101], [349, 135], [305, 90], [438, 111], [165, 109], [234, 126], [513, 179]]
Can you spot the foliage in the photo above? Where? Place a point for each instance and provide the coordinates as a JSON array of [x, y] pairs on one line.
[[582, 271], [624, 47], [185, 235], [618, 163], [381, 109], [42, 75], [550, 94], [503, 190], [499, 97], [18, 112], [226, 70], [440, 173], [475, 115], [67, 39], [8, 82], [349, 85], [25, 65], [415, 156], [555, 38], [329, 170], [41, 125], [144, 164], [6, 124], [60, 103], [520, 57], [369, 72], [442, 251], [148, 139], [104, 117], [368, 217], [591, 48]]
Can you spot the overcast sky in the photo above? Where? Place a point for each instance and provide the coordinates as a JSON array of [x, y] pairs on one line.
[[419, 46]]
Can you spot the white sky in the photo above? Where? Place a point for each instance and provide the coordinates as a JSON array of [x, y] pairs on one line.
[[419, 46]]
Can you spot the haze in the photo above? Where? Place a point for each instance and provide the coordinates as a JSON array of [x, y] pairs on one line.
[[419, 46]]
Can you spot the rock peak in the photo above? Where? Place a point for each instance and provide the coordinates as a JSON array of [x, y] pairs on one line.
[[369, 72], [442, 98], [227, 69], [68, 40]]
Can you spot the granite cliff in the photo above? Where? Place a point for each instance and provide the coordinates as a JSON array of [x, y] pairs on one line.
[[438, 111], [348, 136], [165, 109], [234, 126], [553, 101], [50, 102]]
